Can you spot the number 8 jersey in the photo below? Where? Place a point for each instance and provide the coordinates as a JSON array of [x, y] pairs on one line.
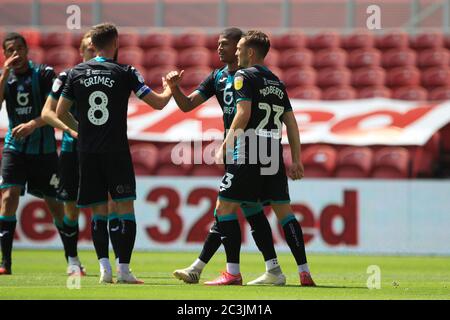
[[101, 88]]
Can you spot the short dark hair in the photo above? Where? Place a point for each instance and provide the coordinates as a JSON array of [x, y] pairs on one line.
[[103, 34], [13, 36], [232, 33], [257, 40]]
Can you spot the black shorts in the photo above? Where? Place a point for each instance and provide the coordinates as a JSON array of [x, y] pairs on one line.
[[244, 183], [101, 173], [38, 173], [68, 171]]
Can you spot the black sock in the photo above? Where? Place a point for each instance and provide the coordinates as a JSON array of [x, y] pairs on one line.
[[114, 226], [71, 231], [127, 236], [99, 230], [294, 238], [231, 236], [62, 235], [212, 244], [7, 229], [262, 234]]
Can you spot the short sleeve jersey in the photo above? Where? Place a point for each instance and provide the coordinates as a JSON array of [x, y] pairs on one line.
[[101, 88], [25, 95], [269, 101], [220, 84], [68, 144]]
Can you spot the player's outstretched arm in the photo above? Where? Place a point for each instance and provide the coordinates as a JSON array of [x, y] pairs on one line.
[[70, 125], [49, 115], [185, 103], [158, 100], [296, 171], [240, 121]]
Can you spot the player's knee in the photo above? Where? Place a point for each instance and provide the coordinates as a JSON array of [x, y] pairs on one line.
[[282, 211], [252, 209], [225, 207], [124, 207], [71, 210], [10, 196]]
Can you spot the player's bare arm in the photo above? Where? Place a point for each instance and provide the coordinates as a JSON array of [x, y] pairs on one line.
[[67, 119], [185, 103], [7, 66], [158, 100], [240, 121], [49, 115], [296, 171], [25, 129]]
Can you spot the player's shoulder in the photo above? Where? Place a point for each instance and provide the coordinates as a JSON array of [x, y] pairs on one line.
[[42, 68]]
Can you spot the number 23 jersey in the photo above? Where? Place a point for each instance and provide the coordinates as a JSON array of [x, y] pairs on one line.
[[101, 89]]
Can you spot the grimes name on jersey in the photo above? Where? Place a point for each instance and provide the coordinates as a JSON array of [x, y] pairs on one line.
[[106, 81]]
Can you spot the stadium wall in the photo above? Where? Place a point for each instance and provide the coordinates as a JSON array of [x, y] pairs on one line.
[[338, 216]]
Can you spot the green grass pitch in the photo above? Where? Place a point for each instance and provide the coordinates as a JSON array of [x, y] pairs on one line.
[[40, 275]]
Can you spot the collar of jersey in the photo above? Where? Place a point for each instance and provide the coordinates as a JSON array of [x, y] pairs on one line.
[[262, 67], [101, 59]]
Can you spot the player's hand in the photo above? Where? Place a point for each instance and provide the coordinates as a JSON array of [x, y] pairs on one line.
[[23, 130], [73, 133], [9, 63], [219, 156], [173, 78], [296, 171]]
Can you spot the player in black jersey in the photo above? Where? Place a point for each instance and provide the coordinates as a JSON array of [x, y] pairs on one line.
[[220, 84], [68, 168], [101, 88], [256, 173], [29, 155]]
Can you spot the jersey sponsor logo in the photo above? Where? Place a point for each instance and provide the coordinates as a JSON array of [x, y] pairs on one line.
[[22, 98], [56, 85], [24, 111], [238, 82]]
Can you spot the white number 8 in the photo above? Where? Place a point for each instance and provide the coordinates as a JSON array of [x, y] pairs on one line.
[[101, 107]]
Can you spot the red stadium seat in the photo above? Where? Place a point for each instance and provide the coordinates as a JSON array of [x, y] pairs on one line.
[[61, 55], [439, 94], [193, 38], [436, 77], [153, 76], [276, 71], [272, 58], [297, 57], [76, 39], [339, 93], [324, 40], [330, 58], [354, 162], [289, 40], [31, 35], [145, 158], [56, 39], [358, 40], [163, 56], [434, 57], [367, 57], [131, 55], [2, 58], [333, 77], [371, 76], [155, 40], [372, 92], [403, 76], [61, 67], [413, 93], [299, 77], [445, 138], [35, 54], [194, 76], [399, 57], [306, 93], [196, 56], [391, 163], [427, 40], [422, 163], [214, 59], [128, 38], [392, 40], [212, 42], [166, 165], [319, 161]]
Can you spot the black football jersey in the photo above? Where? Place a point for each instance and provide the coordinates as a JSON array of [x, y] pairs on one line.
[[101, 89]]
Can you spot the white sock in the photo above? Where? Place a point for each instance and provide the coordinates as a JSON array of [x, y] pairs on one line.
[[233, 268], [303, 268], [272, 264], [198, 264], [105, 265], [124, 268], [73, 261]]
